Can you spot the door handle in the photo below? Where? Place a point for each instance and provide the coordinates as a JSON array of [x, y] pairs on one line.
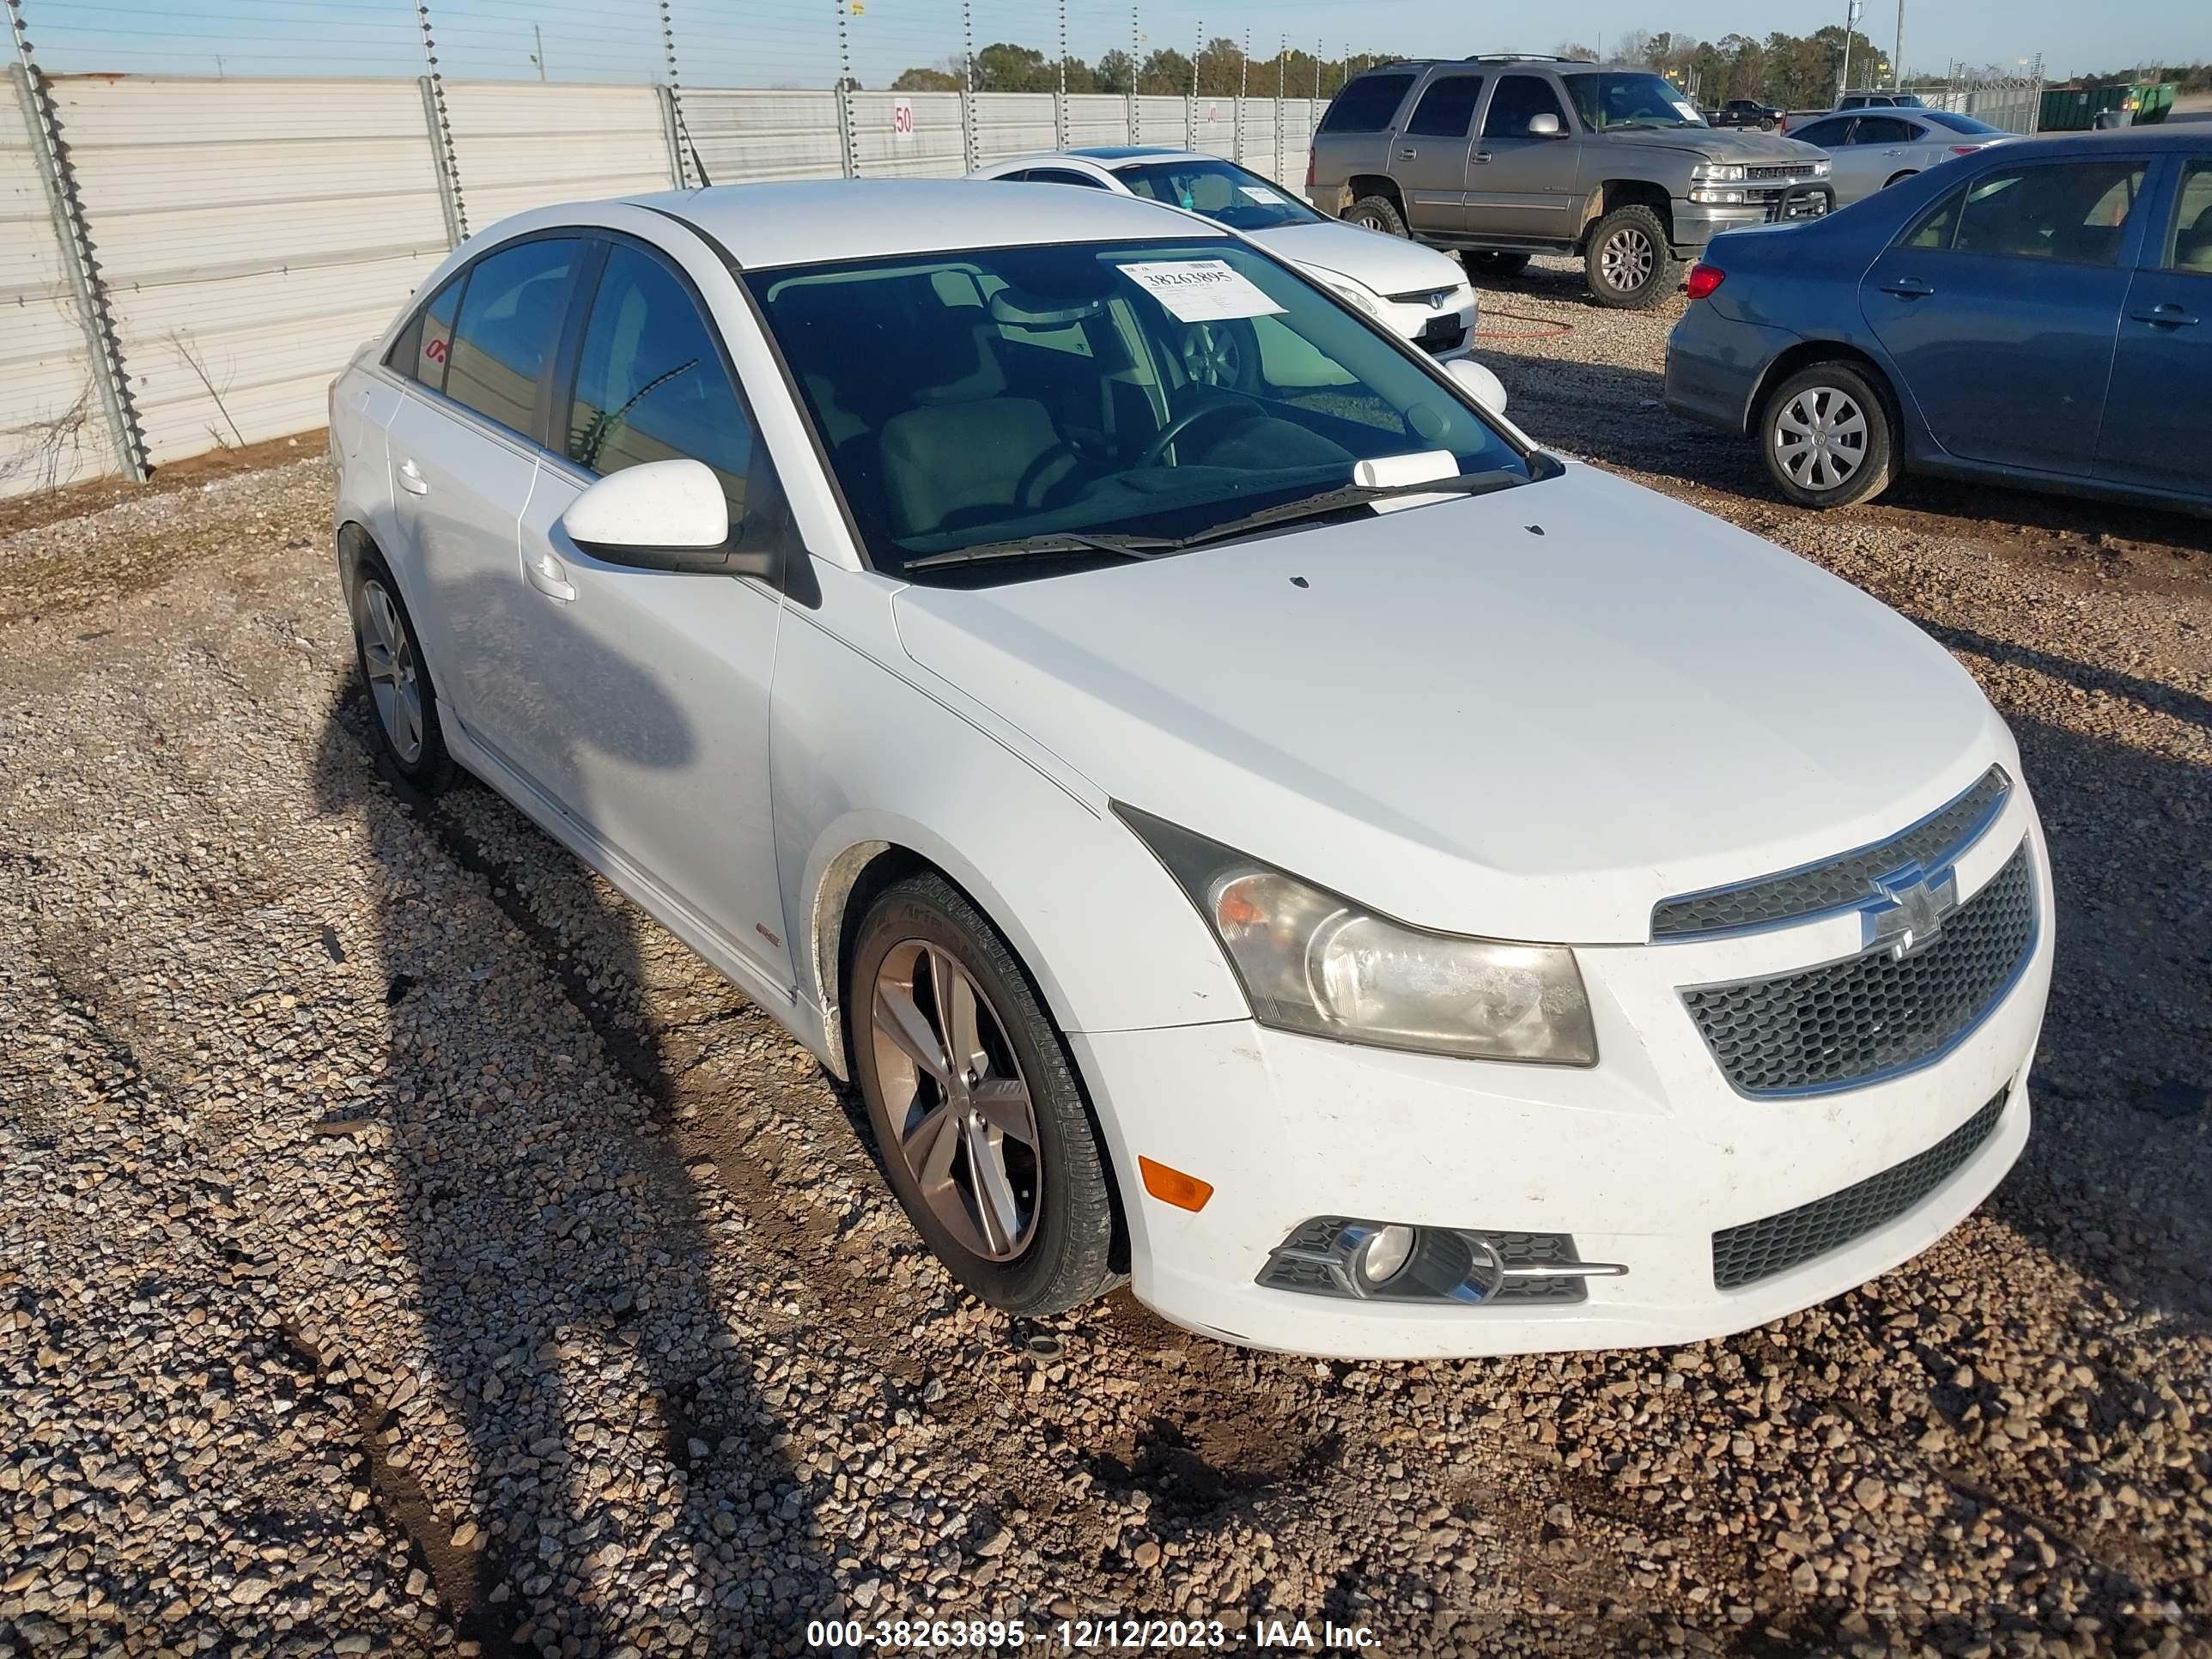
[[1479, 156], [1407, 155], [412, 479], [2164, 315], [550, 577], [1907, 287]]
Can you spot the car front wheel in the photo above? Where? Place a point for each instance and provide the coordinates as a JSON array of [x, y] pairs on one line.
[[983, 1132], [1825, 435], [1626, 259]]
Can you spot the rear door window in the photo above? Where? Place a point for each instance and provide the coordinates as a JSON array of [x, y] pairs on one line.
[[1447, 108], [1883, 130], [510, 319], [1367, 104], [1826, 135], [2192, 227], [421, 350]]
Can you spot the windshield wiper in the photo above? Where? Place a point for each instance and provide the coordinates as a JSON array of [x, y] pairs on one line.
[[1046, 545], [1336, 500]]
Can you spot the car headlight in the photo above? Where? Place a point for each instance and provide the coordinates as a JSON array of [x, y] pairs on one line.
[[1312, 962], [1820, 168], [1722, 173], [1358, 296]]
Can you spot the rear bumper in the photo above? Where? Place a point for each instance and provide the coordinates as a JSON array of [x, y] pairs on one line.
[[1715, 364]]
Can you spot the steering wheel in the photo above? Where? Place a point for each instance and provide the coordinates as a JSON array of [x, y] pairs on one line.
[[1221, 403]]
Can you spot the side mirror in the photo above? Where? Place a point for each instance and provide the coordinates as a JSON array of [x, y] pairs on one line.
[[664, 515], [1479, 383], [1545, 126]]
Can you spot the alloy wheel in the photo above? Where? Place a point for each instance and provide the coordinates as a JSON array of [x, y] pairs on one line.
[[1627, 259], [1820, 437], [388, 655], [1213, 355], [956, 1101]]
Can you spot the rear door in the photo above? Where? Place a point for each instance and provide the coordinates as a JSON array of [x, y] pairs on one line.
[[1878, 150], [2158, 416], [1428, 161], [2000, 307], [463, 454], [1521, 188]]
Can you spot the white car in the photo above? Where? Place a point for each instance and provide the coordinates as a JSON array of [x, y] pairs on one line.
[[1386, 890], [1415, 292], [1870, 149]]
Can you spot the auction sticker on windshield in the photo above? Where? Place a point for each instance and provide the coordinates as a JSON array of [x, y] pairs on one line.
[[1201, 290]]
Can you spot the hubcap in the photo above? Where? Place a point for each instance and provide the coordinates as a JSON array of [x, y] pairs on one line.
[[389, 655], [1211, 356], [956, 1101], [1820, 437], [1627, 259]]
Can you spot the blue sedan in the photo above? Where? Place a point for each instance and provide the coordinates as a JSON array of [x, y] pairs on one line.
[[2039, 313]]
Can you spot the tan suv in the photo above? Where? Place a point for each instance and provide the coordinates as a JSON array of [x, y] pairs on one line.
[[1502, 157]]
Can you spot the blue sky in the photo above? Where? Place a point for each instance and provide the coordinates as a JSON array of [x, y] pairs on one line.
[[792, 42]]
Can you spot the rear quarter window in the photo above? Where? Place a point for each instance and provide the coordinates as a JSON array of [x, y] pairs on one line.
[[1368, 104]]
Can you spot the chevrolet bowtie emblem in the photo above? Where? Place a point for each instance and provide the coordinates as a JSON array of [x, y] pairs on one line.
[[1909, 916]]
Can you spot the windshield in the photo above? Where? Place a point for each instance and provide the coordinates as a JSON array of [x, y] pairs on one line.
[[1222, 190], [1958, 122], [1124, 389], [1630, 99]]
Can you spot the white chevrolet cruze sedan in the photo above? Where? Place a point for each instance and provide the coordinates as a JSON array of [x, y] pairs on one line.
[[1385, 890], [1416, 293]]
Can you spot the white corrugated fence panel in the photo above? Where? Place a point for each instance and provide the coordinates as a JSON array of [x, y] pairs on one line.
[[1096, 118], [1259, 120], [929, 149], [524, 145], [745, 138], [1160, 120], [249, 235], [1013, 124], [53, 428], [1213, 126]]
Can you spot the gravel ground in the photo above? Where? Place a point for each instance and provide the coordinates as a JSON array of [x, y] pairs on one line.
[[407, 1248]]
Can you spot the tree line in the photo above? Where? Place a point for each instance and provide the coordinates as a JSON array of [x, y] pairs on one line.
[[1789, 71]]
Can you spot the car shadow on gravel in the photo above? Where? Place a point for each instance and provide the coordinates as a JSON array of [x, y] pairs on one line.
[[2116, 1179], [625, 1491]]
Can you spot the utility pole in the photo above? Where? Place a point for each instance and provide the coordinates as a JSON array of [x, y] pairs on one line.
[[1897, 52], [1060, 103], [1851, 17], [537, 58]]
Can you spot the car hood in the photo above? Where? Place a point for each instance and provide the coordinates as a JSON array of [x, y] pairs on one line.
[[1746, 144], [1388, 264], [1476, 727]]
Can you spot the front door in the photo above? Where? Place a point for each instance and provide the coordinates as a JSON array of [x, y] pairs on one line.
[[2158, 416], [649, 718], [2000, 305], [1429, 156], [1521, 187]]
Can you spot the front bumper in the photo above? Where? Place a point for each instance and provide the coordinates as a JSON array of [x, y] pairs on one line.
[[1642, 1159], [1444, 331], [1697, 224]]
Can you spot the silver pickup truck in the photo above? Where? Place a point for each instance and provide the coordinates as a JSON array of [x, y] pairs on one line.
[[1502, 157]]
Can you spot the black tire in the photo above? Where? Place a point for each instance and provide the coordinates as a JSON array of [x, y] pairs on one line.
[[1377, 213], [1067, 1259], [1828, 393], [1494, 266], [426, 764], [1626, 260]]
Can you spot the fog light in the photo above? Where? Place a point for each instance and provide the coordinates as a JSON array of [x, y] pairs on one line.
[[1383, 1255], [1391, 1261]]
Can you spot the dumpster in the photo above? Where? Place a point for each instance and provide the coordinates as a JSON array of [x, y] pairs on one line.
[[2077, 109]]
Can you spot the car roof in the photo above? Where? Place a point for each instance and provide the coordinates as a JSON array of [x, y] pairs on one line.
[[1124, 152], [806, 223], [1504, 60], [2158, 138]]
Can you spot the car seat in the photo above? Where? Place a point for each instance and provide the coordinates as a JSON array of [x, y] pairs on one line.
[[2192, 248]]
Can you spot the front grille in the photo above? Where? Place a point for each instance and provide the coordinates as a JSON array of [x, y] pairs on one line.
[[1759, 1249], [1872, 1016], [1796, 173], [1840, 882]]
